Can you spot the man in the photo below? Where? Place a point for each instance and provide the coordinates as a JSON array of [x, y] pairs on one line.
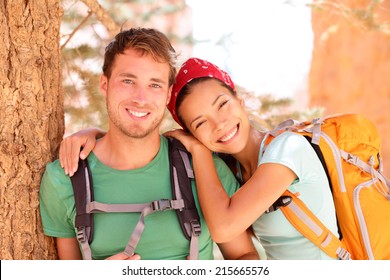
[[130, 164]]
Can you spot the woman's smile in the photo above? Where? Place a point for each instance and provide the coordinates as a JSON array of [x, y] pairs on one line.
[[227, 138]]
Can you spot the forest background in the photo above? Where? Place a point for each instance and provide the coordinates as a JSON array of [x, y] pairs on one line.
[[49, 84]]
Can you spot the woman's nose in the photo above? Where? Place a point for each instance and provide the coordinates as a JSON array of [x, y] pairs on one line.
[[220, 123]]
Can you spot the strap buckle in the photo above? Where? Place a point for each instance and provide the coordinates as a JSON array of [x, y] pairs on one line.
[[282, 201], [195, 227], [343, 254], [81, 234], [161, 205]]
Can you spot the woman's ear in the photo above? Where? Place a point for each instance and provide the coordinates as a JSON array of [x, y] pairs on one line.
[[242, 101]]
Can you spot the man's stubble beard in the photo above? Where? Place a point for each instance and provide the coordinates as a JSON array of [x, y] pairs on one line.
[[135, 131]]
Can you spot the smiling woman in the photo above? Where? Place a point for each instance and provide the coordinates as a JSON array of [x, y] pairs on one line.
[[207, 106]]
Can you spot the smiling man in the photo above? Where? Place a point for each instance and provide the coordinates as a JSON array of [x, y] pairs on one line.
[[130, 164]]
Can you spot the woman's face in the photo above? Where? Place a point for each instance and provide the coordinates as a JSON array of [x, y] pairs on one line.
[[215, 117]]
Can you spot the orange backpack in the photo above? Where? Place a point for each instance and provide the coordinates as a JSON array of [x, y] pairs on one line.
[[349, 147]]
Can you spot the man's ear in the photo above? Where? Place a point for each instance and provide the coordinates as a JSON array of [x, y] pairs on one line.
[[169, 94], [103, 84]]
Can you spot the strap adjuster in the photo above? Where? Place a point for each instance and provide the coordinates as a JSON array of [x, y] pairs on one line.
[[161, 205], [195, 227], [282, 201], [343, 254], [81, 235]]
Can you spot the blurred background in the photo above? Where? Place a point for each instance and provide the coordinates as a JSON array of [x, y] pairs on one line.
[[299, 59]]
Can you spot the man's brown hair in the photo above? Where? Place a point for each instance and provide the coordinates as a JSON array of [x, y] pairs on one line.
[[146, 41]]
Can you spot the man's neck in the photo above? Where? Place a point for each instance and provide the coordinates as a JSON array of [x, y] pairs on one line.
[[124, 153]]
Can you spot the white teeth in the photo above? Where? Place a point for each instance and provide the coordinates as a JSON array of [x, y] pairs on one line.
[[137, 114], [229, 136]]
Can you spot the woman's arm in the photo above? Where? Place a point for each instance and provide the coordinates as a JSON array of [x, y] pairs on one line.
[[240, 248], [227, 217], [70, 148]]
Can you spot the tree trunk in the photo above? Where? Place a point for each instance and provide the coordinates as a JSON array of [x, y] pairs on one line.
[[350, 70], [31, 120]]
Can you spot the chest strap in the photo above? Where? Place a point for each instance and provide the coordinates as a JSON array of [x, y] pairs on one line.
[[144, 208]]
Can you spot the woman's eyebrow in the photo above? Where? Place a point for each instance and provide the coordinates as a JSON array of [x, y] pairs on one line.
[[216, 99], [194, 120]]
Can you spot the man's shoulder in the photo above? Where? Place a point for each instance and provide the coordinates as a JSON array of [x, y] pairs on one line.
[[55, 168], [54, 175]]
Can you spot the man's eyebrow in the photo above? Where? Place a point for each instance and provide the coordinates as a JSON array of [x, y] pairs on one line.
[[126, 74], [215, 101], [156, 80]]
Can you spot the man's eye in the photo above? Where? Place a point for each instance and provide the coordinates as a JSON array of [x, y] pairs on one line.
[[127, 81], [155, 86]]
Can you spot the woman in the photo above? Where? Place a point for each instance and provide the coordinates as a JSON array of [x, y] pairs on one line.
[[204, 102]]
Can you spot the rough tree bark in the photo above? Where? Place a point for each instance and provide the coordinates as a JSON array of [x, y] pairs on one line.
[[31, 120]]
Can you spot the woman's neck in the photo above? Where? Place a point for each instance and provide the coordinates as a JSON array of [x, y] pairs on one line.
[[248, 157]]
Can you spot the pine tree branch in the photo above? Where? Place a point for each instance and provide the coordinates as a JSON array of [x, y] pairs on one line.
[[102, 15], [76, 29]]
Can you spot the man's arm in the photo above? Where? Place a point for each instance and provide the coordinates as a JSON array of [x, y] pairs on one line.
[[240, 248], [68, 249]]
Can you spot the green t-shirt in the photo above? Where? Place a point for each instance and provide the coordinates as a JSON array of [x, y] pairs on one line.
[[162, 237]]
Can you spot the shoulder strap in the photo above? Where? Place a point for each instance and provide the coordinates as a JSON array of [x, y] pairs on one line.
[[299, 215], [83, 193], [312, 228], [181, 176]]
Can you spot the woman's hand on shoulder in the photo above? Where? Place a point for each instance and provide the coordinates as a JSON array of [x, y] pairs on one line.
[[79, 144], [190, 142]]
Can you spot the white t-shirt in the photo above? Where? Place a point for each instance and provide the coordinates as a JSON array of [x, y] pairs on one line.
[[278, 237]]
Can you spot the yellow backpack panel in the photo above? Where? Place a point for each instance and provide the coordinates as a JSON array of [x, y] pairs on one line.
[[350, 146]]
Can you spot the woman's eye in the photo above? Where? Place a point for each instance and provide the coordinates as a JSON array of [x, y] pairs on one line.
[[223, 104], [199, 124]]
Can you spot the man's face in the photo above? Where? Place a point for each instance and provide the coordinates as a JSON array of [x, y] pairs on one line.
[[137, 93]]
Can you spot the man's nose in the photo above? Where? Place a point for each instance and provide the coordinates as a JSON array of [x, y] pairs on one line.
[[140, 95]]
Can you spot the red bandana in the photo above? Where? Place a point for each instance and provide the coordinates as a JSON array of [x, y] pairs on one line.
[[191, 69]]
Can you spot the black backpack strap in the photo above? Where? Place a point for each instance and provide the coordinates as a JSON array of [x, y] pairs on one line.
[[83, 193], [181, 176]]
